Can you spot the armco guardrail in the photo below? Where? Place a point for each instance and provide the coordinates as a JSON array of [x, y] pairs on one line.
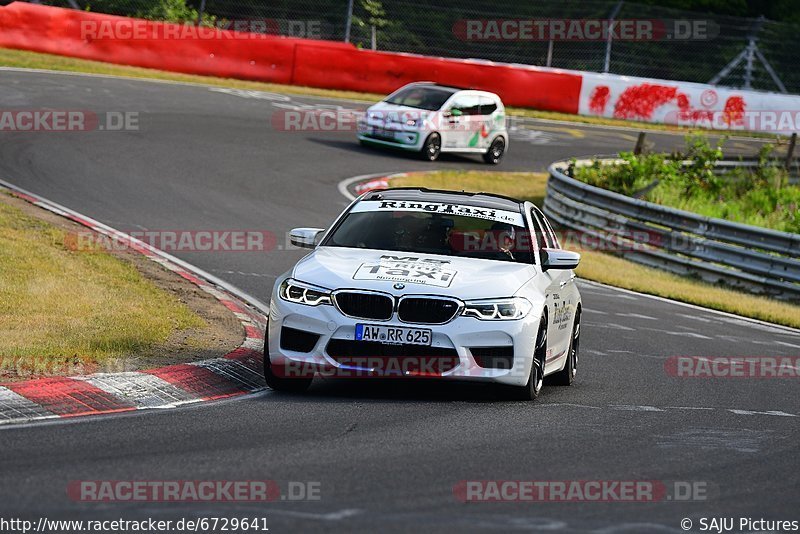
[[755, 259]]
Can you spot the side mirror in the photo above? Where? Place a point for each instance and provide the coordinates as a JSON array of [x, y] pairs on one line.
[[455, 112], [559, 259], [305, 237]]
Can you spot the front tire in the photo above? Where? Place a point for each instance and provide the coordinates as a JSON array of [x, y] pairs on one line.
[[495, 152], [432, 147], [281, 383], [530, 391], [566, 376]]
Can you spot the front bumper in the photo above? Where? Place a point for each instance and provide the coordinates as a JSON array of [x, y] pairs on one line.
[[391, 135], [463, 340]]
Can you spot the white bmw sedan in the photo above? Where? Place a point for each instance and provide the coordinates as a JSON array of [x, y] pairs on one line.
[[414, 282], [430, 119]]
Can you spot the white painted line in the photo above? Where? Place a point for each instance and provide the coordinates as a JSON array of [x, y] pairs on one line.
[[696, 318], [593, 351], [626, 297], [634, 408], [330, 516], [615, 326], [769, 412], [693, 335], [570, 404], [636, 316], [344, 184], [687, 334], [784, 329]]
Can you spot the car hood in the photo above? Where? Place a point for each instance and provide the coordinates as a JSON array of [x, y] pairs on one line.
[[417, 273]]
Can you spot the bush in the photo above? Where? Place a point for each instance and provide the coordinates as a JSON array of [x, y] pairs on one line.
[[632, 176], [175, 11], [761, 196]]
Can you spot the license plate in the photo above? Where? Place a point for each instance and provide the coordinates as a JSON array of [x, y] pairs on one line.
[[383, 133], [393, 334]]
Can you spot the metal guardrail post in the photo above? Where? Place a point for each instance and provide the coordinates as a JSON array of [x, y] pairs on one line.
[[790, 150], [200, 12], [349, 22], [639, 144]]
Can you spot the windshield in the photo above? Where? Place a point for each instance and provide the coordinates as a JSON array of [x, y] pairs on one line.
[[422, 97], [491, 234]]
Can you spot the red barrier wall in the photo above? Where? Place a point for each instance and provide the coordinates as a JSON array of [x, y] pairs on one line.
[[62, 31], [323, 64], [383, 72]]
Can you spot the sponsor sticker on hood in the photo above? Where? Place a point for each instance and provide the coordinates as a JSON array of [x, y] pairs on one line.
[[465, 210], [411, 270]]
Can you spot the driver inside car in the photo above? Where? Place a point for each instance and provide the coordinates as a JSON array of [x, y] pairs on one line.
[[505, 236]]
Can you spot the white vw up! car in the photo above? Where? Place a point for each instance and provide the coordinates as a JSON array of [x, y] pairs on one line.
[[430, 119]]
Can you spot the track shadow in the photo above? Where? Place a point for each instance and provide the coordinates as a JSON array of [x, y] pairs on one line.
[[353, 146], [379, 390]]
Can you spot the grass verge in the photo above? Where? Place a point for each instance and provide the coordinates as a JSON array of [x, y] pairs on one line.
[[67, 311], [36, 60], [607, 268]]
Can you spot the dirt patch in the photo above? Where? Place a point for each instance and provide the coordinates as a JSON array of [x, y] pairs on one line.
[[221, 333]]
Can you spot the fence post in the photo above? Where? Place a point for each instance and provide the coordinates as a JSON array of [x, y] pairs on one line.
[[200, 12], [790, 151], [639, 144], [607, 63], [349, 21]]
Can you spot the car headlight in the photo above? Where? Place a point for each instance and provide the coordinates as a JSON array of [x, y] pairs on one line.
[[505, 309], [300, 293]]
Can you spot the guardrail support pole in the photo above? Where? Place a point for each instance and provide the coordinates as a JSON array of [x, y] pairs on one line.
[[614, 12], [639, 144], [200, 12], [790, 151], [349, 22]]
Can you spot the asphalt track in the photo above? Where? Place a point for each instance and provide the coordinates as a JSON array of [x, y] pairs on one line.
[[386, 455]]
